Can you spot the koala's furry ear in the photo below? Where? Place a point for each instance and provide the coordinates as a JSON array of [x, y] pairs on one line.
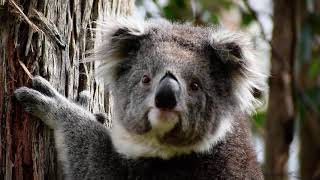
[[118, 38], [229, 50], [232, 54], [236, 51]]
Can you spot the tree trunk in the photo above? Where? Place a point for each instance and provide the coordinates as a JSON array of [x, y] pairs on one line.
[[280, 115], [308, 88], [49, 37]]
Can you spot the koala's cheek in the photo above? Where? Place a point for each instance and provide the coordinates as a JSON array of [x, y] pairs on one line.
[[136, 123]]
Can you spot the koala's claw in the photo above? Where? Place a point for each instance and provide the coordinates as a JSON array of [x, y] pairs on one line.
[[27, 95], [43, 86], [33, 101], [101, 117]]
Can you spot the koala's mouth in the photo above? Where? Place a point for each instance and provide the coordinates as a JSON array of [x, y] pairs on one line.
[[162, 121], [166, 126]]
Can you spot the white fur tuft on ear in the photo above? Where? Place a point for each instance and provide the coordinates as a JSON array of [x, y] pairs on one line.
[[112, 24], [110, 36], [252, 75]]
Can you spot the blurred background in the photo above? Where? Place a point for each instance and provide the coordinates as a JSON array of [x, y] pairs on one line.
[[286, 34]]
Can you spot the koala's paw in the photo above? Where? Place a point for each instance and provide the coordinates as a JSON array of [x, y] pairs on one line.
[[42, 100], [101, 118]]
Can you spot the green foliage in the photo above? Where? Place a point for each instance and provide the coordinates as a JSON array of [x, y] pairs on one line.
[[259, 119], [314, 70], [301, 108], [178, 10], [216, 5], [214, 19], [308, 101], [207, 11], [314, 96], [314, 20], [247, 18]]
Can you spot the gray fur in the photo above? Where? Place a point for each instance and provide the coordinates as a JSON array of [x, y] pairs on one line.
[[207, 127]]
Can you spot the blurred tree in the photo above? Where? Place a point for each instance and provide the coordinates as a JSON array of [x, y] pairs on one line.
[[49, 37], [280, 114], [308, 90]]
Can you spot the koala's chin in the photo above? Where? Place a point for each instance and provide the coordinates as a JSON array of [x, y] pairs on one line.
[[162, 121]]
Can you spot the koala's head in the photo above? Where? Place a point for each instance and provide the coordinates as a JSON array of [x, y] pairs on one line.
[[175, 88]]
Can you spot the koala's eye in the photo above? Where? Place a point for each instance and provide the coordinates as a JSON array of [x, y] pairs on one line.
[[194, 86], [145, 79]]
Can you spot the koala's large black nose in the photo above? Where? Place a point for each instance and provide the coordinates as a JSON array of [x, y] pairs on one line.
[[167, 92]]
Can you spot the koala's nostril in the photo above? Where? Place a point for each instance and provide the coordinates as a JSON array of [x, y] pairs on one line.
[[166, 95], [165, 100]]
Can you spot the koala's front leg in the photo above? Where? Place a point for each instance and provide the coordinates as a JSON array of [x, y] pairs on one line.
[[80, 139], [43, 101]]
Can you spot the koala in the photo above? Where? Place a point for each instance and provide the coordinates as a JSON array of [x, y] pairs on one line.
[[181, 97]]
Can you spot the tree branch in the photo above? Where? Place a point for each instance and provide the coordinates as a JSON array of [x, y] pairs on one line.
[[20, 13]]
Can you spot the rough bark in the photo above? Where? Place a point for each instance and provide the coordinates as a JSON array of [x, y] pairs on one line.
[[280, 114], [49, 37]]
